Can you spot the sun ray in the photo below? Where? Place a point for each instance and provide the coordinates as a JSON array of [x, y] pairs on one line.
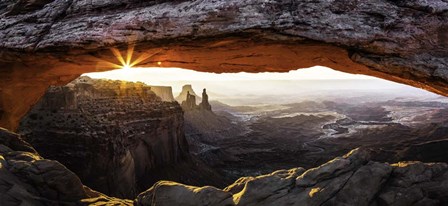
[[129, 54], [142, 58], [118, 55], [127, 61], [106, 64]]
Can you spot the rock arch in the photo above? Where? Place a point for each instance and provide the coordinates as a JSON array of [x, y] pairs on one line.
[[48, 42]]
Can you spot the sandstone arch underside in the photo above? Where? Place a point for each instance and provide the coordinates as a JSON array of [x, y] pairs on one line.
[[51, 42]]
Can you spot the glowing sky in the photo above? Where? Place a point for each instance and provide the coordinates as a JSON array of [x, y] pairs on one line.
[[157, 75], [233, 88]]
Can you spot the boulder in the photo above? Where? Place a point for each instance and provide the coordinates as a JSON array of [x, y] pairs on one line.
[[171, 193]]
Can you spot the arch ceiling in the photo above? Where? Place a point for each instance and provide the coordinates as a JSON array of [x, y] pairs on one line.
[[51, 42]]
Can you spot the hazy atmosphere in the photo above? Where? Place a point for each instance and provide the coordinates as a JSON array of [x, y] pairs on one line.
[[242, 88]]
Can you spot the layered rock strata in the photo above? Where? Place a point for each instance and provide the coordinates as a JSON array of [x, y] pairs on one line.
[[114, 135]]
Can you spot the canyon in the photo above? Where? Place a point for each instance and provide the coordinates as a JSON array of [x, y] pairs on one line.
[[118, 137], [310, 133]]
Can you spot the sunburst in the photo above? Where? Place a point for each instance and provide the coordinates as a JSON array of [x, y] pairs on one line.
[[126, 61]]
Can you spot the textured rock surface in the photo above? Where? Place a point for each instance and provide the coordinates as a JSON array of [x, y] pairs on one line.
[[28, 179], [114, 135], [51, 42], [349, 180], [171, 193]]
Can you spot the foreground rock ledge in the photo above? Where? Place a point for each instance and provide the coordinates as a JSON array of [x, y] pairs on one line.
[[28, 179], [46, 42]]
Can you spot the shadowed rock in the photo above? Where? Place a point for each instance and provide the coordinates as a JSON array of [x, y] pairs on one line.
[[27, 178], [189, 103], [349, 180], [205, 105], [171, 193]]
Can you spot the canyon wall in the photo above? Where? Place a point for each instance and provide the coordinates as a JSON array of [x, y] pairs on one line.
[[114, 135]]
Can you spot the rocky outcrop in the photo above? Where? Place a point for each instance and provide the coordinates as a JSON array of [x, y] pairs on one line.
[[164, 92], [187, 90], [28, 179], [189, 104], [205, 105], [349, 180], [114, 135], [47, 42]]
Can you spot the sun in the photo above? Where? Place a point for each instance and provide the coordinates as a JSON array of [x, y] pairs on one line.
[[127, 66]]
